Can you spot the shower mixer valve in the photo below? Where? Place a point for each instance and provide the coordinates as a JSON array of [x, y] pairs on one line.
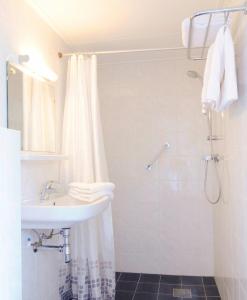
[[213, 157], [214, 138]]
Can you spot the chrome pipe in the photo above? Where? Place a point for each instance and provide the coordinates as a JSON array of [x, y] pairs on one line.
[[64, 248], [59, 247], [66, 244]]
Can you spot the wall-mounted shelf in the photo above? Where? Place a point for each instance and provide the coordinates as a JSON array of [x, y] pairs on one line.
[[26, 155]]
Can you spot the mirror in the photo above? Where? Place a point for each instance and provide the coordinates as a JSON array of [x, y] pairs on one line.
[[31, 109]]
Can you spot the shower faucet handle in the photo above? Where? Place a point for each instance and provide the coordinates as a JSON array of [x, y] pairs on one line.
[[214, 157], [214, 138]]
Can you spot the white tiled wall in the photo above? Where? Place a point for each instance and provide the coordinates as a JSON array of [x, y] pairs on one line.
[[162, 221], [10, 220], [231, 215], [23, 32]]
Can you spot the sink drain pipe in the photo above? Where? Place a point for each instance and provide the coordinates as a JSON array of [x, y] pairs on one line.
[[66, 244], [64, 248]]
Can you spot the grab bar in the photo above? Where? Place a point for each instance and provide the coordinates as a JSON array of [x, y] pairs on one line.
[[157, 156]]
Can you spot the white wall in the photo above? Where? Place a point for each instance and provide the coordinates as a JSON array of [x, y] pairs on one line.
[[22, 32], [10, 220], [231, 215], [162, 221]]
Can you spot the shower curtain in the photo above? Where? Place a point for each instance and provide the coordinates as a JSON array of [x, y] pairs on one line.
[[91, 273]]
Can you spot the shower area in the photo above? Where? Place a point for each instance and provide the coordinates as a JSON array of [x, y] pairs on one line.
[[151, 112], [212, 184]]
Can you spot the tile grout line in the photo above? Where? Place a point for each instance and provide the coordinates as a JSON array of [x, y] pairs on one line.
[[136, 286], [116, 283], [204, 288], [181, 285], [181, 280], [158, 288]]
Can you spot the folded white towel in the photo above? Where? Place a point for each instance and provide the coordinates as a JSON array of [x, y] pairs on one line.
[[89, 198], [220, 80], [92, 187], [199, 29], [90, 191]]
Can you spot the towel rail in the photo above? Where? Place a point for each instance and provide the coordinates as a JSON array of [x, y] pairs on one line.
[[209, 12]]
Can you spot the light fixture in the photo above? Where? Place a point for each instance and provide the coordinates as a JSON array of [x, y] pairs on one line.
[[35, 65]]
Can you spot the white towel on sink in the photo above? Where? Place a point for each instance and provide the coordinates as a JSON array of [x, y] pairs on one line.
[[90, 191], [92, 187], [90, 197]]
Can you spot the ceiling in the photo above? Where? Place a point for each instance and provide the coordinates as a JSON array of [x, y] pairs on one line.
[[118, 24]]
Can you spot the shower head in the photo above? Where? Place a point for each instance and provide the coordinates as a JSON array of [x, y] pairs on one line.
[[193, 74]]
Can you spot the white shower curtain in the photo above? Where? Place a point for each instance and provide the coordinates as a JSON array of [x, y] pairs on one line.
[[91, 274]]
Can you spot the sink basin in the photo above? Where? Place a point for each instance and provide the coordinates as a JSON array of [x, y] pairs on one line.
[[61, 212]]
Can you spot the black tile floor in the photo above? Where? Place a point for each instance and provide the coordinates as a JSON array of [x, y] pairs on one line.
[[135, 286]]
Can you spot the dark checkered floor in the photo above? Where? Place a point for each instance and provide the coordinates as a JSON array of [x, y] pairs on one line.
[[135, 286]]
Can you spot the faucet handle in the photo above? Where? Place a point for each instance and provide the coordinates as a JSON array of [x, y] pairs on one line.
[[53, 186], [50, 187]]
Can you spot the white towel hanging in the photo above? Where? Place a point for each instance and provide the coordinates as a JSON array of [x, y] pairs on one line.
[[220, 80]]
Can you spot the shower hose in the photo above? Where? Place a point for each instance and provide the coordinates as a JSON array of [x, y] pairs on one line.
[[215, 160]]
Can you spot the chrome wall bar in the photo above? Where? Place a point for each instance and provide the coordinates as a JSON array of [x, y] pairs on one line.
[[209, 12], [149, 166]]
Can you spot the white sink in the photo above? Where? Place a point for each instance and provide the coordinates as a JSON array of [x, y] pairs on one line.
[[61, 212]]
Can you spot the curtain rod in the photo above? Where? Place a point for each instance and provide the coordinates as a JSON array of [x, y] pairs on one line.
[[61, 55]]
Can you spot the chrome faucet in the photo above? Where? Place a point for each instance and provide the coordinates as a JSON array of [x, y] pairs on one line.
[[48, 188]]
